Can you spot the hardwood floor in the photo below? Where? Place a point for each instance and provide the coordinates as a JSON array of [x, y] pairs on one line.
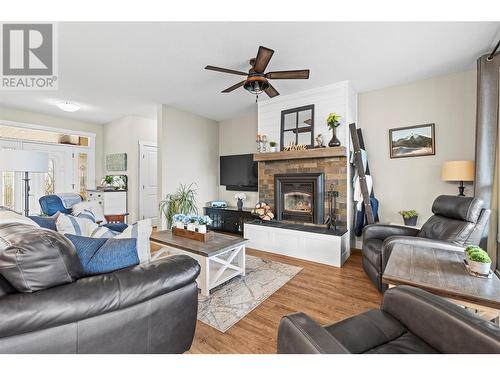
[[326, 293]]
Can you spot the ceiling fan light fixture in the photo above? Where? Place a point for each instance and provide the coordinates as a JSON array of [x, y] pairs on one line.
[[256, 86]]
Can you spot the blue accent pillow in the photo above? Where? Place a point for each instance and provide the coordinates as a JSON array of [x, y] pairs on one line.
[[103, 255], [47, 222]]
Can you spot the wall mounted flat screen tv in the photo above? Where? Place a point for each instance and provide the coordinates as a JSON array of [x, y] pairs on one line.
[[239, 172]]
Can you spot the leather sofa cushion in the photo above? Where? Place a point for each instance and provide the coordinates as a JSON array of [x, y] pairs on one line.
[[372, 250], [33, 258], [407, 343], [459, 208], [375, 326], [5, 287], [95, 295], [446, 229]]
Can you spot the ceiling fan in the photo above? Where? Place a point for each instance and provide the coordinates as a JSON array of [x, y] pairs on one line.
[[257, 81]]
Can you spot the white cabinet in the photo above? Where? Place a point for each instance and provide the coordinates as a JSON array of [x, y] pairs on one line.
[[113, 202]]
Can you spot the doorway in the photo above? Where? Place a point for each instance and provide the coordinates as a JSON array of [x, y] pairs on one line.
[[148, 181]]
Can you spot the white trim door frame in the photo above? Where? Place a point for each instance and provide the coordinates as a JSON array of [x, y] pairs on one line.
[[148, 181]]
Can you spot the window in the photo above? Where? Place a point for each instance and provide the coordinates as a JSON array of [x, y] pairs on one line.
[[8, 189], [49, 183], [82, 174], [297, 126]]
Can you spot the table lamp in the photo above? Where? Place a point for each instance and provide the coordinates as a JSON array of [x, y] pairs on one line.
[[459, 171], [24, 161]]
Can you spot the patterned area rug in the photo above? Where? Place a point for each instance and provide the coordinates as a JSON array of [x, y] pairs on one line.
[[230, 302]]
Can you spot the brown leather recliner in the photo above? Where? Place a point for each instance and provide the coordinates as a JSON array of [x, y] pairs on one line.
[[409, 321], [457, 222]]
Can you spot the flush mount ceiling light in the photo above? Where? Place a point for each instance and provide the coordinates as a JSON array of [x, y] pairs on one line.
[[68, 106]]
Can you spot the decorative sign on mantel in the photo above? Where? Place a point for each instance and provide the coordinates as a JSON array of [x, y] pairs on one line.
[[116, 162]]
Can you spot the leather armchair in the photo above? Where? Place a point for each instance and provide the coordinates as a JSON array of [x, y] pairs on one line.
[[457, 222], [150, 308], [409, 320]]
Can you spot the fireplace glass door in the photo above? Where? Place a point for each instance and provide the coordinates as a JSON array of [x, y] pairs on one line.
[[298, 202]]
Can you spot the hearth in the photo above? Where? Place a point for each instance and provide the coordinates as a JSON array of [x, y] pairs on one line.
[[299, 197]]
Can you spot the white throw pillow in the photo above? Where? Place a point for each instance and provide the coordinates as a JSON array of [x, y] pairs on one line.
[[7, 217], [92, 206], [141, 231], [68, 224]]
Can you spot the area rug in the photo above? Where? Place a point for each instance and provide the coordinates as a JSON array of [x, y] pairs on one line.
[[230, 302]]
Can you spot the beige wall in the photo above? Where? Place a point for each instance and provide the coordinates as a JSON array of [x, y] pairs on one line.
[[123, 136], [413, 183], [188, 152], [237, 136], [60, 122]]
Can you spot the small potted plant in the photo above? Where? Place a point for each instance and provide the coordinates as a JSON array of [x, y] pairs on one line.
[[273, 146], [410, 217], [178, 220], [240, 198], [333, 122], [478, 260], [203, 221], [192, 223]]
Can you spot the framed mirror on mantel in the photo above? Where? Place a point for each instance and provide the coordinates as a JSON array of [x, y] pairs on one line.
[[297, 126]]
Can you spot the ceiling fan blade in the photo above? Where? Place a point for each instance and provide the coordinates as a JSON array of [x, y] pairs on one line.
[[271, 91], [234, 87], [224, 70], [289, 74], [263, 57]]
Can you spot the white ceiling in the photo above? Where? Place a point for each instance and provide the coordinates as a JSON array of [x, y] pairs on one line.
[[118, 69]]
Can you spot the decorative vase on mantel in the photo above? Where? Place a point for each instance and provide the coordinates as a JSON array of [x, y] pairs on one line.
[[334, 142]]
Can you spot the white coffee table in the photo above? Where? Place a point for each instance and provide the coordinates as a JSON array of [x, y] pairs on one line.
[[220, 259]]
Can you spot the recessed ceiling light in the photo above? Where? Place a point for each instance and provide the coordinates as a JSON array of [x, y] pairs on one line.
[[68, 106]]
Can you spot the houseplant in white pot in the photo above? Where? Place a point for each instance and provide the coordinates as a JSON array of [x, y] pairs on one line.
[[478, 260], [192, 223], [178, 220], [273, 146], [203, 221]]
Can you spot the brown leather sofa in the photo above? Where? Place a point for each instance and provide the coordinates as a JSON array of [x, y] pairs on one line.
[[456, 223], [409, 321]]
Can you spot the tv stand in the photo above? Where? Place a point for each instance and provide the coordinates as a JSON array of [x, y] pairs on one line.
[[228, 219]]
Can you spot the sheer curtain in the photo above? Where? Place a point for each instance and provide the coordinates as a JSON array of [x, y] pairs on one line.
[[487, 168]]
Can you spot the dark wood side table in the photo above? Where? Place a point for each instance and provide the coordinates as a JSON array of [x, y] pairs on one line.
[[443, 273]]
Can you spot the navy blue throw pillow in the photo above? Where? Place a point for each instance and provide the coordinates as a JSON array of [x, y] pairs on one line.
[[102, 255]]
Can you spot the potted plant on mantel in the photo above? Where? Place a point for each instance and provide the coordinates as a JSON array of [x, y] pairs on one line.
[[272, 146], [410, 217], [478, 260], [333, 122]]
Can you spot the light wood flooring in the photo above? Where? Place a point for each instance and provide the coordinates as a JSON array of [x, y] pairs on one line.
[[327, 294]]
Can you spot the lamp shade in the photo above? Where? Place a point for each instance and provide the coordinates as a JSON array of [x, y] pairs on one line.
[[24, 161], [458, 170]]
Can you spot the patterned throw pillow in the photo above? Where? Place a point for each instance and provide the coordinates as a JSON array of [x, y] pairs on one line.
[[141, 231], [80, 226], [103, 232], [86, 214], [102, 255], [92, 206]]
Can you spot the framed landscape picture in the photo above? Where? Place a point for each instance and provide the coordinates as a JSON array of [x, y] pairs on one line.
[[411, 141]]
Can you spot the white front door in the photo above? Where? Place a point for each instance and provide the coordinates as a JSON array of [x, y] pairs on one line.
[[148, 183]]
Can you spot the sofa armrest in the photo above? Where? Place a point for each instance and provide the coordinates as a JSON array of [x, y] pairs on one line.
[[96, 295], [383, 231], [443, 325], [424, 243], [299, 334]]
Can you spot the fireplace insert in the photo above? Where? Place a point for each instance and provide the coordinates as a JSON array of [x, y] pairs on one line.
[[299, 197]]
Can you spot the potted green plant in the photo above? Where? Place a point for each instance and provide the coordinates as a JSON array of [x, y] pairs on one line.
[[410, 217], [183, 201], [478, 260], [333, 122], [273, 146]]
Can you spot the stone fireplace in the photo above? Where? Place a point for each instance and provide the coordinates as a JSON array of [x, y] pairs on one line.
[[299, 197], [295, 183]]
